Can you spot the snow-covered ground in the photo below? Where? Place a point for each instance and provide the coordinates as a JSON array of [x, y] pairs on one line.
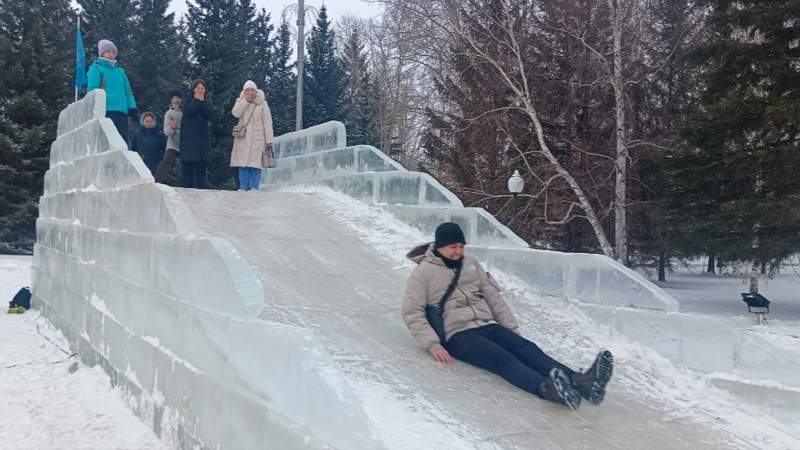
[[720, 295], [43, 405]]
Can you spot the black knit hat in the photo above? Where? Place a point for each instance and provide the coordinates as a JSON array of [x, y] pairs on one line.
[[448, 233]]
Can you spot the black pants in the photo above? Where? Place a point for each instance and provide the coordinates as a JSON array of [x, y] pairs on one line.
[[121, 122], [194, 174], [161, 174], [505, 353]]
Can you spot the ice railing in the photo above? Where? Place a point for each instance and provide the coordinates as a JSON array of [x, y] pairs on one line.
[[614, 295], [318, 156]]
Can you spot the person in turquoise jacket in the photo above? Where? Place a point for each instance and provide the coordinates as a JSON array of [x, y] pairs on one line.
[[105, 73]]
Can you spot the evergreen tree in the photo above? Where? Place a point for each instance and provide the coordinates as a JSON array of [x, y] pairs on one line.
[[282, 85], [183, 54], [109, 19], [358, 94], [323, 75], [263, 48], [37, 52], [154, 68], [739, 180]]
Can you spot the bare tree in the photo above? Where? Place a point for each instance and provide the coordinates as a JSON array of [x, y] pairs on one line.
[[506, 27]]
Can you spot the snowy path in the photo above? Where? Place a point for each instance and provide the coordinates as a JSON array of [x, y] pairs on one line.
[[720, 295], [42, 405], [343, 278]]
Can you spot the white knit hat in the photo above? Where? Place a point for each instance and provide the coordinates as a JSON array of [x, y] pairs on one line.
[[105, 45], [249, 84]]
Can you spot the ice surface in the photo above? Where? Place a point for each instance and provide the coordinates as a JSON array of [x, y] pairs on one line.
[[480, 228], [330, 163], [583, 277], [325, 136], [142, 208], [321, 275], [104, 171], [95, 136], [92, 106]]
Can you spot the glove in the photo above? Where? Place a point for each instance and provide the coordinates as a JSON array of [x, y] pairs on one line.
[[133, 114]]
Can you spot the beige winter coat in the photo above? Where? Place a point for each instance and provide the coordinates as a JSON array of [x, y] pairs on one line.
[[475, 302], [247, 151]]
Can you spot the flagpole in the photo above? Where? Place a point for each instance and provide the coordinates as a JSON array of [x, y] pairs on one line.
[[79, 32]]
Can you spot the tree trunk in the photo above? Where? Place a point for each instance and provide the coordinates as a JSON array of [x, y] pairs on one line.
[[583, 200], [710, 268], [620, 191], [662, 267]]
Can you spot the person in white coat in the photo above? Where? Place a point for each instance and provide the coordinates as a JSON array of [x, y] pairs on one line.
[[253, 135]]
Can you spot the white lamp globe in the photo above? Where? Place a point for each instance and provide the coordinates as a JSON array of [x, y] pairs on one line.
[[515, 183]]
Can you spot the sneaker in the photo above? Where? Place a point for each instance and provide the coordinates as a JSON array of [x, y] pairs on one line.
[[557, 389], [592, 383]]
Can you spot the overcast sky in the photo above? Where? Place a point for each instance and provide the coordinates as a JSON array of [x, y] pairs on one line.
[[336, 8]]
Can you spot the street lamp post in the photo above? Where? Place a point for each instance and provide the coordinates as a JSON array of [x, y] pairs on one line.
[[301, 16], [515, 186]]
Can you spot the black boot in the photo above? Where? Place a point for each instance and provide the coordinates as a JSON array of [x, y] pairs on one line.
[[557, 388], [592, 383]]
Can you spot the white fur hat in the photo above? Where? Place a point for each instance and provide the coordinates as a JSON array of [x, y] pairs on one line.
[[249, 84]]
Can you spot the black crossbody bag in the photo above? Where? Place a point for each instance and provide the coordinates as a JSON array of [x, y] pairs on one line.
[[435, 313]]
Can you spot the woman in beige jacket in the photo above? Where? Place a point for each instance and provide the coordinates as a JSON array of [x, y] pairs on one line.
[[254, 116], [480, 328]]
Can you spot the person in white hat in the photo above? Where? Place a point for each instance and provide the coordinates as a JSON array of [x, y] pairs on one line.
[[252, 136]]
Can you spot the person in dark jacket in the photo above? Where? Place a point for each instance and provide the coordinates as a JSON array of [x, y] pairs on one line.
[[195, 143], [479, 327], [149, 141]]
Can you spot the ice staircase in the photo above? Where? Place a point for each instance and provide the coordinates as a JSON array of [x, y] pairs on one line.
[[266, 320]]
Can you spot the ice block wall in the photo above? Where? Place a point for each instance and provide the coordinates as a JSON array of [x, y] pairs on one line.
[[171, 314], [318, 155]]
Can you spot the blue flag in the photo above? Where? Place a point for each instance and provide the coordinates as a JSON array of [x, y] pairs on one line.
[[80, 60]]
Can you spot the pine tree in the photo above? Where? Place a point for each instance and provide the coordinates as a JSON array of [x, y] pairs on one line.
[[36, 51], [358, 93], [282, 85], [323, 75], [739, 178], [154, 68], [109, 19], [263, 48]]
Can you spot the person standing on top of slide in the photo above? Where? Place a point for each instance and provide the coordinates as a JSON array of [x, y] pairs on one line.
[[195, 141], [105, 73]]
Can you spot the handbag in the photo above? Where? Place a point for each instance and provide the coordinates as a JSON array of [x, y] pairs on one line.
[[240, 129], [268, 159], [435, 313]]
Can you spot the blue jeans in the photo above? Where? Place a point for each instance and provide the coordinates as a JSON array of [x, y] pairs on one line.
[[249, 178], [505, 353]]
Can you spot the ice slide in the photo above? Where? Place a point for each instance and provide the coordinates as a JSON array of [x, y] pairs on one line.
[[271, 319]]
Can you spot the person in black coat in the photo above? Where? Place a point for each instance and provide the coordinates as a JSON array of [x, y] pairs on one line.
[[149, 141], [195, 142]]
